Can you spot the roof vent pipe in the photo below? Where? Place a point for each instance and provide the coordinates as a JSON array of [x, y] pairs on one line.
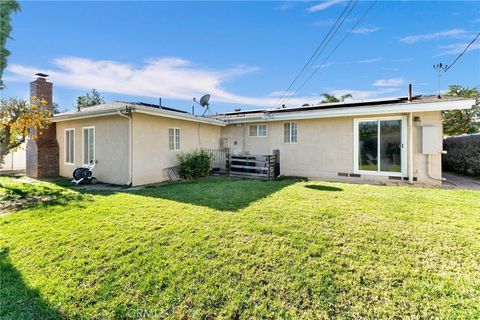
[[409, 92]]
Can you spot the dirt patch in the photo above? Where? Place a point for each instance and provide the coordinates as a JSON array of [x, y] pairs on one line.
[[15, 204]]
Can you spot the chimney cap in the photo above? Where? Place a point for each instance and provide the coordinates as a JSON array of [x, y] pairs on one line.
[[43, 75]]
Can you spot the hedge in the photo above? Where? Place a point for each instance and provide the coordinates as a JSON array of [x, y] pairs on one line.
[[463, 154], [195, 164]]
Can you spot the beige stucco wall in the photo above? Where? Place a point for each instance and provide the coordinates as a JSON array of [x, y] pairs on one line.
[[325, 147], [111, 147], [420, 160], [151, 153]]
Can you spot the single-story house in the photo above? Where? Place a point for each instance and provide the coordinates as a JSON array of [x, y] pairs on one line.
[[399, 139]]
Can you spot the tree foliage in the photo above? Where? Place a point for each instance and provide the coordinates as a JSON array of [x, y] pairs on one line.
[[20, 119], [92, 98], [7, 7], [457, 122], [330, 98]]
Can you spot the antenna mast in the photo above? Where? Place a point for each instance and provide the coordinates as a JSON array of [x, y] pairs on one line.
[[440, 68]]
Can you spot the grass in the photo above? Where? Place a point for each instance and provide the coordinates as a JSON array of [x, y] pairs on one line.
[[240, 249]]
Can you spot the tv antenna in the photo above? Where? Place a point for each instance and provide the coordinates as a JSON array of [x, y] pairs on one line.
[[203, 102], [440, 68]]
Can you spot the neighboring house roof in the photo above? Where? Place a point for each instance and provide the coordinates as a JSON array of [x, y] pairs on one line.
[[328, 110], [116, 107]]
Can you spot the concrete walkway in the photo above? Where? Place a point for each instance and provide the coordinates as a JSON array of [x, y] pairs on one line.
[[460, 182]]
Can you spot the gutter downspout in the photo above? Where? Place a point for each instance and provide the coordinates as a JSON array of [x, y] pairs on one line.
[[410, 148], [428, 170], [130, 167]]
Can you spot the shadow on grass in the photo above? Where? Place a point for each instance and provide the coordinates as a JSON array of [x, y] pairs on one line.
[[20, 196], [18, 301], [224, 194], [322, 188]]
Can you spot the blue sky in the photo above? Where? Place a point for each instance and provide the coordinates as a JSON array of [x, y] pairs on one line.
[[244, 53]]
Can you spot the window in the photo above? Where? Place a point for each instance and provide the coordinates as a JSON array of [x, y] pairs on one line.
[[290, 132], [379, 145], [174, 139], [258, 130], [70, 146], [88, 141]]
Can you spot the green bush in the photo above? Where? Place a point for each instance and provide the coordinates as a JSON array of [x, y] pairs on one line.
[[195, 164], [463, 155]]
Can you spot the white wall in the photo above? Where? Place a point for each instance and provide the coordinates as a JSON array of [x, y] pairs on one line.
[[15, 160]]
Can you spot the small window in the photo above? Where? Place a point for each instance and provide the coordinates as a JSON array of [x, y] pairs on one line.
[[174, 139], [290, 132], [257, 130], [262, 130], [70, 146], [88, 145], [252, 131]]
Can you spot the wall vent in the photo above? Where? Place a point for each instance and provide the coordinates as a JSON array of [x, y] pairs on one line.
[[343, 174], [394, 178], [355, 175]]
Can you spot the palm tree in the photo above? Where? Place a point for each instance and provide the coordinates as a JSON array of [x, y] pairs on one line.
[[330, 98]]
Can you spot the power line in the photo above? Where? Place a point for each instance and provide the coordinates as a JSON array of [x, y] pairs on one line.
[[336, 25], [333, 51], [464, 50]]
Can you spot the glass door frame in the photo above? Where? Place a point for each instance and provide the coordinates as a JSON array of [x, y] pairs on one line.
[[403, 151]]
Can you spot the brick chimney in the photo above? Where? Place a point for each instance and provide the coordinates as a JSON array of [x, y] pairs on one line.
[[42, 153]]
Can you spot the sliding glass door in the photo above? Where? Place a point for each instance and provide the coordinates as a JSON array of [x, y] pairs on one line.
[[380, 146]]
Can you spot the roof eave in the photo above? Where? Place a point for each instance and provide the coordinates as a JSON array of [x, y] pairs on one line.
[[139, 109], [358, 111], [176, 115]]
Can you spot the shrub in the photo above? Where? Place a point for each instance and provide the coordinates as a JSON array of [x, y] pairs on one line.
[[463, 155], [195, 164]]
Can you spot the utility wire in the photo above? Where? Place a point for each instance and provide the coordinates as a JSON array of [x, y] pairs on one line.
[[333, 51], [328, 39], [341, 17], [464, 50]]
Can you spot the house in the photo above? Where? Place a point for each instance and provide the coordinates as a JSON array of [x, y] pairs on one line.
[[399, 139]]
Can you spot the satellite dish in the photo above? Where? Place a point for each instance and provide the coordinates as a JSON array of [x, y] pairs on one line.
[[203, 102]]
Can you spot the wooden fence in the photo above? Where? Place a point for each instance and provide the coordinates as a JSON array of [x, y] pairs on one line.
[[252, 166]]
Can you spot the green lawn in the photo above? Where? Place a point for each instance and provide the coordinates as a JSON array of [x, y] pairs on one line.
[[224, 248]]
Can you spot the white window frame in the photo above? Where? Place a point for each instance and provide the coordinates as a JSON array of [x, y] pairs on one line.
[[176, 147], [66, 149], [290, 133], [403, 152], [83, 144], [257, 130]]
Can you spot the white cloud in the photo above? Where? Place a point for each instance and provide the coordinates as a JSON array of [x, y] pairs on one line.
[[393, 82], [170, 77], [457, 48], [324, 5], [365, 30], [280, 93], [364, 61], [453, 33], [284, 6]]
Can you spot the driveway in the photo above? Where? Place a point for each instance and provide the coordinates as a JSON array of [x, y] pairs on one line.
[[461, 182]]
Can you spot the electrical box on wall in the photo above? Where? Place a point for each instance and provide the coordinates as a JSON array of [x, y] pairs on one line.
[[226, 143], [430, 140]]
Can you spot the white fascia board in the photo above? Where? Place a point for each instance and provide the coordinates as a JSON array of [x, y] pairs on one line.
[[176, 115], [139, 109], [86, 114], [359, 111]]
